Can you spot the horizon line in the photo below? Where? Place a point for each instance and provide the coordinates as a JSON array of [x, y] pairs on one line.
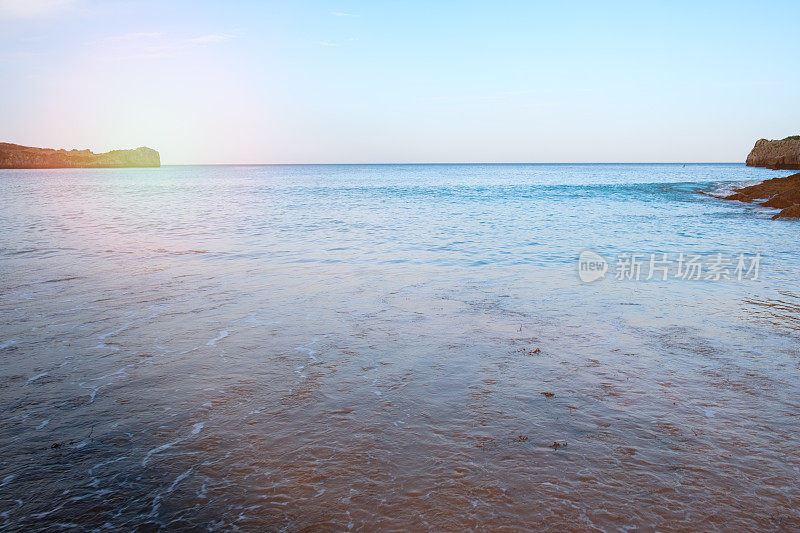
[[458, 163]]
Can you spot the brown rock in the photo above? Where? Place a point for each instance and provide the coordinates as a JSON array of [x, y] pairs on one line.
[[789, 212], [780, 193], [777, 202], [772, 187], [739, 197], [783, 154], [784, 200]]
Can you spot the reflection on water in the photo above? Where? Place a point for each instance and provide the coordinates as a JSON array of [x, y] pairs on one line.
[[192, 348], [781, 312]]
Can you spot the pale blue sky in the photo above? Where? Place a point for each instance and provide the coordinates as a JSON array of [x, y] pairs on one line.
[[371, 81]]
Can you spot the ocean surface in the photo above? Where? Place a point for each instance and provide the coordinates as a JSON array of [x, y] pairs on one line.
[[360, 347]]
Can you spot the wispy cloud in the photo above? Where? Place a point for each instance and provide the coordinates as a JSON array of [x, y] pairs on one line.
[[158, 52], [33, 8], [210, 38], [341, 14], [328, 43], [18, 56], [155, 45], [137, 36]]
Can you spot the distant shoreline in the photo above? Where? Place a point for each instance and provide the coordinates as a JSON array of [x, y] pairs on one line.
[[15, 156], [431, 164]]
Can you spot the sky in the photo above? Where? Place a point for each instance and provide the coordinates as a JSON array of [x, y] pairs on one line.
[[401, 81]]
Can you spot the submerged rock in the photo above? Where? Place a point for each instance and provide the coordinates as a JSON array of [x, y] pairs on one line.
[[739, 197], [16, 156], [780, 193], [770, 188], [783, 200], [789, 212], [783, 154]]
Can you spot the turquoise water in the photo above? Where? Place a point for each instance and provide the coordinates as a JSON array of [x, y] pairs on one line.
[[352, 347]]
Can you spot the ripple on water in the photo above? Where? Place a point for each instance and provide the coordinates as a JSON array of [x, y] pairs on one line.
[[195, 356]]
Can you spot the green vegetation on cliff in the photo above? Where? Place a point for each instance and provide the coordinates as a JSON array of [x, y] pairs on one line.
[[16, 156]]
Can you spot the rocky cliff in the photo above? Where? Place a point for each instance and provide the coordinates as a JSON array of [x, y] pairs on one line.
[[780, 155], [16, 156]]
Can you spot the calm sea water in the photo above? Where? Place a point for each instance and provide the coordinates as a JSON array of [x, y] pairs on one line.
[[354, 347]]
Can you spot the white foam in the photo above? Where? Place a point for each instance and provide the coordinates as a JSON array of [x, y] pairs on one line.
[[98, 465], [39, 516], [110, 333], [7, 344], [158, 450], [104, 346], [195, 430], [219, 337], [37, 376], [179, 479], [305, 347]]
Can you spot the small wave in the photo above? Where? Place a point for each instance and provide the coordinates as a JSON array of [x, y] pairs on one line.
[[37, 376], [721, 190], [159, 450], [100, 465], [180, 252], [157, 499], [196, 428], [219, 337], [60, 279], [120, 330]]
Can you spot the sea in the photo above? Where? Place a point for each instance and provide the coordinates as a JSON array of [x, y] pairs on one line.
[[550, 347]]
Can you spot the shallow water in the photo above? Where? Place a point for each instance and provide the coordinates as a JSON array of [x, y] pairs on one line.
[[351, 347]]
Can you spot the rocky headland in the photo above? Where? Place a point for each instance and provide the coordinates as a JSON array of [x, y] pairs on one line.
[[779, 193], [16, 156], [783, 154]]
